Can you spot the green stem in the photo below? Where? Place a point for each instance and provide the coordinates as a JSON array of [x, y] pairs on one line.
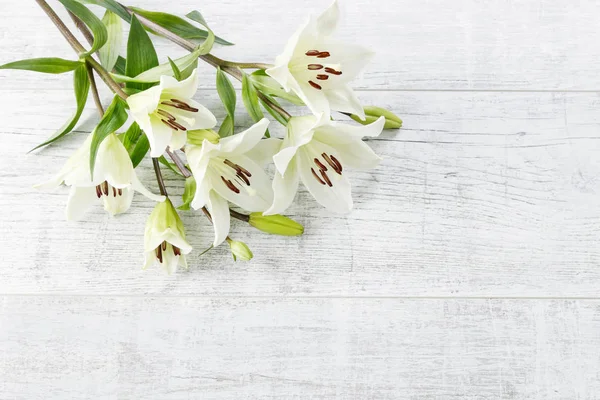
[[159, 177], [90, 72], [80, 49]]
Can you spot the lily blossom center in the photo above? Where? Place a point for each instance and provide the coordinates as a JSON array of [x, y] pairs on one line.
[[172, 113], [166, 249], [234, 176], [105, 189], [313, 68], [322, 177]]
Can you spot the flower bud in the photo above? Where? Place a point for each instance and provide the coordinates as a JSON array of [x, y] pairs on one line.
[[372, 113], [276, 224], [197, 136], [239, 250]]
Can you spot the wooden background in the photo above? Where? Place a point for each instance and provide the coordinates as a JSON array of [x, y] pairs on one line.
[[468, 270]]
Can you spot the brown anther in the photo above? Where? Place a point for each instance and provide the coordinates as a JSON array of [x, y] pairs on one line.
[[323, 54], [184, 106], [230, 185], [120, 191], [176, 251], [311, 53], [173, 124], [164, 245], [244, 178], [169, 116], [98, 191], [317, 177], [324, 175], [159, 254], [244, 171], [105, 188], [114, 192], [315, 85], [332, 71], [339, 164], [231, 164], [315, 67], [320, 164], [322, 77]]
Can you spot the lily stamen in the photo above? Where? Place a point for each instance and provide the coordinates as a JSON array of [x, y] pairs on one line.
[[98, 191], [311, 53], [243, 177], [336, 165], [159, 254], [336, 161], [315, 67], [315, 85], [169, 116], [322, 77], [317, 177], [105, 188], [180, 105], [323, 54], [230, 185], [320, 164], [176, 251], [164, 246], [324, 175], [332, 71]]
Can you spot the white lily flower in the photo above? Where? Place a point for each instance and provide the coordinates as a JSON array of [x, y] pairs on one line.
[[229, 171], [318, 68], [316, 150], [114, 179], [165, 112], [164, 239]]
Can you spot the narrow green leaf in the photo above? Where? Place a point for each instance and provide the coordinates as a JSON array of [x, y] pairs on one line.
[[94, 23], [188, 193], [271, 111], [114, 117], [140, 150], [250, 99], [81, 86], [111, 5], [131, 136], [226, 93], [175, 68], [187, 72], [169, 165], [207, 45], [226, 128], [109, 53], [51, 65], [153, 74], [267, 85], [141, 55], [177, 25], [120, 65]]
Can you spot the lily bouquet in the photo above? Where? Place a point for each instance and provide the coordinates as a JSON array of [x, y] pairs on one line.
[[154, 111]]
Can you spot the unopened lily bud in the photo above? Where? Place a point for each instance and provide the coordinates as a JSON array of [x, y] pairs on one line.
[[276, 224], [197, 136], [239, 250], [372, 113]]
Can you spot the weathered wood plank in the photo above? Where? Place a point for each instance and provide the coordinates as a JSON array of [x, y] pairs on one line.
[[481, 194], [432, 44], [180, 348]]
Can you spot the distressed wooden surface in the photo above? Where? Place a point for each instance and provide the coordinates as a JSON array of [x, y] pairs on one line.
[[468, 269]]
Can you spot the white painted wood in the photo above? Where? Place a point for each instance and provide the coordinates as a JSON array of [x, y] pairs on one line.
[[431, 44], [481, 194], [191, 348]]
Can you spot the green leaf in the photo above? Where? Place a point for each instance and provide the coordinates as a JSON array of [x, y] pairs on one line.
[[51, 65], [81, 86], [141, 55], [169, 165], [271, 111], [227, 95], [109, 53], [187, 72], [153, 74], [114, 117], [175, 68], [188, 193], [111, 5], [120, 65], [94, 23], [140, 150], [250, 99], [177, 25], [226, 128], [131, 136], [207, 45], [267, 85]]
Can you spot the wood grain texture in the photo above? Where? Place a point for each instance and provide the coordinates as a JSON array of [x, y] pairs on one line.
[[420, 44], [481, 194], [188, 348]]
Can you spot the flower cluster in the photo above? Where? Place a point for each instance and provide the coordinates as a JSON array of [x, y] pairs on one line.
[[222, 169]]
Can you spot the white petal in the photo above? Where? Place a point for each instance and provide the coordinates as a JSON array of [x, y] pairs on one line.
[[358, 155], [344, 99], [314, 99], [149, 259], [281, 72], [256, 197], [140, 188], [327, 22], [352, 58], [338, 197], [300, 131], [159, 137], [336, 133], [284, 188], [113, 163], [181, 90], [203, 118], [118, 204], [178, 139], [246, 140], [80, 198], [264, 151], [284, 158], [169, 260], [201, 198], [219, 211], [144, 102]]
